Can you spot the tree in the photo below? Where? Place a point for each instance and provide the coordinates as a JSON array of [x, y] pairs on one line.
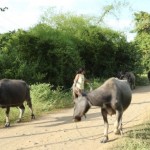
[[54, 49], [3, 9], [142, 40], [94, 43], [113, 9]]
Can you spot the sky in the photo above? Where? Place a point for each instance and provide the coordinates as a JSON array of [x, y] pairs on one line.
[[23, 14]]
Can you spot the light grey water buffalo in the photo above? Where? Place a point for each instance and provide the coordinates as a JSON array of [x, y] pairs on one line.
[[114, 97], [13, 93]]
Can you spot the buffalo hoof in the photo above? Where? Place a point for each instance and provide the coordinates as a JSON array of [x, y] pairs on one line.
[[7, 124], [105, 139], [117, 132], [32, 116], [77, 119]]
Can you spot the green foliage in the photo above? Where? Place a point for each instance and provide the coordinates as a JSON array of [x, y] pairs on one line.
[[92, 40], [58, 52], [45, 98], [142, 40], [96, 82], [142, 22], [109, 50], [38, 57], [54, 49], [142, 79], [14, 58]]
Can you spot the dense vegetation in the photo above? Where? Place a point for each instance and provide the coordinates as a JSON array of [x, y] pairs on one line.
[[142, 40], [52, 51]]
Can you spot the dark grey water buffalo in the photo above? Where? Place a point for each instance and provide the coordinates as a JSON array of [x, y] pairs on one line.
[[130, 78], [148, 75], [120, 75], [114, 97], [13, 93]]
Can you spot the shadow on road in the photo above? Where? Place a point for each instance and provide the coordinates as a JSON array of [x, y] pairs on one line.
[[68, 119], [140, 103], [141, 89]]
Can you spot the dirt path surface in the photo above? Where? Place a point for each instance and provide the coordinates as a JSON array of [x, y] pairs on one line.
[[58, 132]]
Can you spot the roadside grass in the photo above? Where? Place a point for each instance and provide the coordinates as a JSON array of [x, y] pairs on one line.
[[138, 138]]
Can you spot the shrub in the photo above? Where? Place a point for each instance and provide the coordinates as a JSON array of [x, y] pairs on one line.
[[45, 98]]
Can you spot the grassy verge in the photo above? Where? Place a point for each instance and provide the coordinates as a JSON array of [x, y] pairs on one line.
[[137, 138]]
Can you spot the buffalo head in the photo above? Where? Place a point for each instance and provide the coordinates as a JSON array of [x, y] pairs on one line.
[[81, 106]]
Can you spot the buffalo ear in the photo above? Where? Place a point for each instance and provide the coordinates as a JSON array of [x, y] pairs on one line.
[[84, 94], [87, 107]]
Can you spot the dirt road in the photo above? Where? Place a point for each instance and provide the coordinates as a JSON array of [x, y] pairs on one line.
[[58, 132]]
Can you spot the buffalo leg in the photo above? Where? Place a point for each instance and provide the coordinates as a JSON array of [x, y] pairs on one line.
[[118, 123], [7, 124], [106, 126], [31, 109], [21, 109]]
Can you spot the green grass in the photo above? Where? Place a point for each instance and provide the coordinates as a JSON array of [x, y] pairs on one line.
[[136, 139]]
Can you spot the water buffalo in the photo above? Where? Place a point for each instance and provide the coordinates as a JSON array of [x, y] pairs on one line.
[[114, 97], [148, 75], [120, 75], [13, 93], [129, 76]]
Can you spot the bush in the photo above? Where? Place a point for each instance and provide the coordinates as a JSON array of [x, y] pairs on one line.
[[45, 98], [142, 80]]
